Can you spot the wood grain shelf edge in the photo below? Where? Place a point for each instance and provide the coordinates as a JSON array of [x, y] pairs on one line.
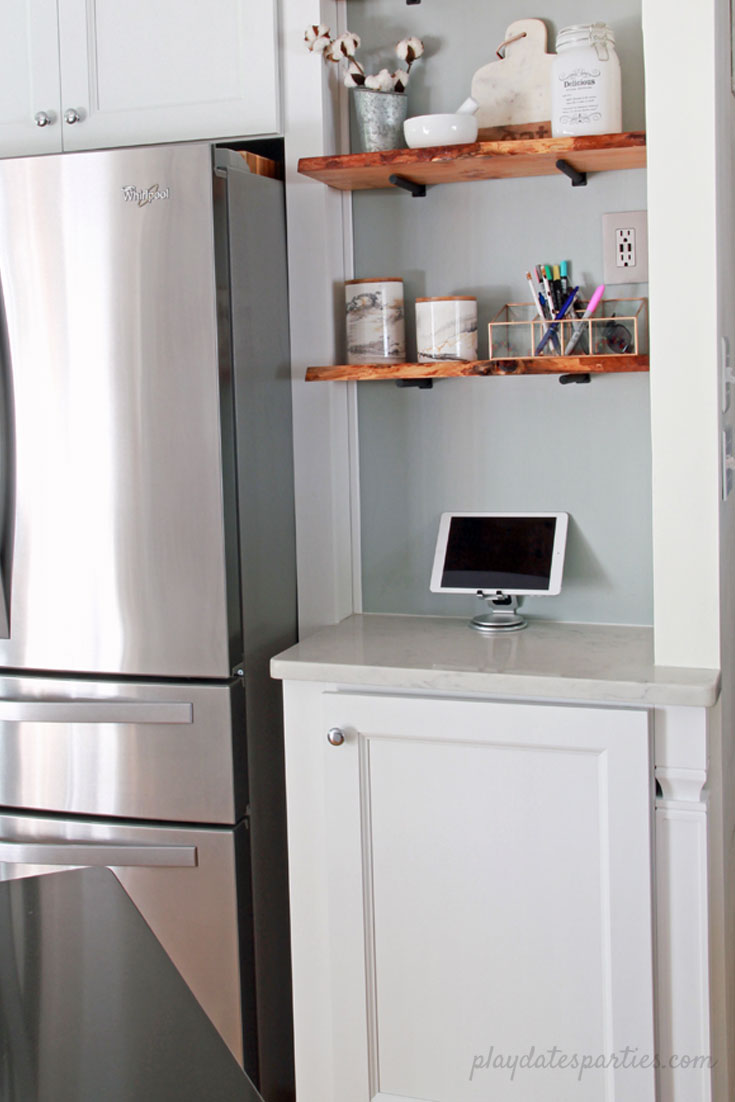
[[479, 161], [537, 365]]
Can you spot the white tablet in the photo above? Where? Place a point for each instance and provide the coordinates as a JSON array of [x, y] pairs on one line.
[[513, 553]]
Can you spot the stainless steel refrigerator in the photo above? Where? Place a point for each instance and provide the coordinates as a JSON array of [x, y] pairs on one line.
[[147, 555]]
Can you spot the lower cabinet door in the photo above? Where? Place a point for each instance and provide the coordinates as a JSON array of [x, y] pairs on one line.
[[489, 900]]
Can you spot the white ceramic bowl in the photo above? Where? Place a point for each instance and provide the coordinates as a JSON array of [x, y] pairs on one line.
[[426, 130]]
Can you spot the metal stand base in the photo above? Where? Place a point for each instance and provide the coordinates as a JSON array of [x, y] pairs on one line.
[[502, 615]]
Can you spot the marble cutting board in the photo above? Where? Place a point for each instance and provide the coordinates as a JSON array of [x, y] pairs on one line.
[[514, 94]]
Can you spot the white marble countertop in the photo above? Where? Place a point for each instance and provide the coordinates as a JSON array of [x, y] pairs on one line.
[[601, 662]]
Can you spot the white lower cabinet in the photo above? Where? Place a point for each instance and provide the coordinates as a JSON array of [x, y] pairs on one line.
[[471, 899]]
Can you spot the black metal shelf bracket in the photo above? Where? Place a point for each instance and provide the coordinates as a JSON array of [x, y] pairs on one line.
[[418, 191], [413, 1], [576, 378], [420, 384], [579, 179]]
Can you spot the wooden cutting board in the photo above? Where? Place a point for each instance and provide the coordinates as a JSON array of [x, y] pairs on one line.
[[514, 94]]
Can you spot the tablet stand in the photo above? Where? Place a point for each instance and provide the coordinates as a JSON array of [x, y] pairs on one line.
[[502, 615]]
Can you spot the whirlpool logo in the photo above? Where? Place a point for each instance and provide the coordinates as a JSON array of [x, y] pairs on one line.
[[144, 196]]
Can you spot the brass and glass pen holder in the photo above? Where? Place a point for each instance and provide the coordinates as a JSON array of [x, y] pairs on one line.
[[618, 328]]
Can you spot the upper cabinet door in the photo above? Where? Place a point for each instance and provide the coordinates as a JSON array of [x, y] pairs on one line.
[[135, 72], [29, 77]]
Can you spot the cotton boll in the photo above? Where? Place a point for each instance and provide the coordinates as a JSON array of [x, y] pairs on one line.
[[386, 81], [408, 49], [345, 45], [354, 77], [315, 33], [400, 80]]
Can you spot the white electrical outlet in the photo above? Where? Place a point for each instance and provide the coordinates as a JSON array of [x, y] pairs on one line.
[[625, 247]]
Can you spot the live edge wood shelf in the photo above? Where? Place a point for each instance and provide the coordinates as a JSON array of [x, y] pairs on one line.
[[480, 161], [538, 365]]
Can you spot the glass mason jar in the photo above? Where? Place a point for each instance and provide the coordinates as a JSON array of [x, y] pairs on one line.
[[585, 82]]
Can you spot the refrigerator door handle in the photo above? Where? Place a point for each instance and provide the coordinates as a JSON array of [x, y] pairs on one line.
[[96, 711], [96, 853]]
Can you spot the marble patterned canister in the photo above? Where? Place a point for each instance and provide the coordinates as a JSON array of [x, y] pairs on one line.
[[446, 328], [375, 321]]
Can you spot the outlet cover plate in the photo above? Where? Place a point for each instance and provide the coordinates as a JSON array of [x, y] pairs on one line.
[[625, 220]]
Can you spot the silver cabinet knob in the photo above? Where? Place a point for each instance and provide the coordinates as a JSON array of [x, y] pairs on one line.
[[42, 119], [335, 736], [71, 116]]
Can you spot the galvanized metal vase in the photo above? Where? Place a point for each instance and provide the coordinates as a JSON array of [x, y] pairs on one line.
[[380, 117]]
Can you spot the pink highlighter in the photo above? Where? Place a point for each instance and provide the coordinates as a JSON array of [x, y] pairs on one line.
[[579, 327]]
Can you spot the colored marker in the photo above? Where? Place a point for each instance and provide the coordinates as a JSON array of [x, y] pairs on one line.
[[544, 269], [564, 270], [539, 280], [564, 276], [534, 296], [555, 324], [580, 326], [559, 293], [539, 302]]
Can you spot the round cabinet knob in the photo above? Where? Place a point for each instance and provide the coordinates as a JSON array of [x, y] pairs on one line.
[[42, 119], [71, 116], [335, 737]]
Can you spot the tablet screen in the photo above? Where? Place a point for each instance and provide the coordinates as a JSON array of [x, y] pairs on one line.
[[507, 552]]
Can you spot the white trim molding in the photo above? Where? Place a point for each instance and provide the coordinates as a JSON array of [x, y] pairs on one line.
[[682, 894], [320, 259]]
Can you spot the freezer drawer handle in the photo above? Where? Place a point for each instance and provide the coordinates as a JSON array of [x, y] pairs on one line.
[[96, 853], [95, 711]]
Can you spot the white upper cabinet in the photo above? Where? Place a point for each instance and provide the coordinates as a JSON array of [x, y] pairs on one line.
[[127, 72], [29, 77]]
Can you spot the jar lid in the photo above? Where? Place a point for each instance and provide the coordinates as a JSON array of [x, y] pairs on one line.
[[377, 279], [584, 33]]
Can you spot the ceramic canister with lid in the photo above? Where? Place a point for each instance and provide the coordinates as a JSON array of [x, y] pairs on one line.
[[375, 321], [446, 328], [585, 82]]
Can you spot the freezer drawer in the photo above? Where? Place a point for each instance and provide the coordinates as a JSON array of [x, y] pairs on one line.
[[187, 882], [137, 750]]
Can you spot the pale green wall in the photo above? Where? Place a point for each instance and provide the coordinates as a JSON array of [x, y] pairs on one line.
[[500, 444]]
